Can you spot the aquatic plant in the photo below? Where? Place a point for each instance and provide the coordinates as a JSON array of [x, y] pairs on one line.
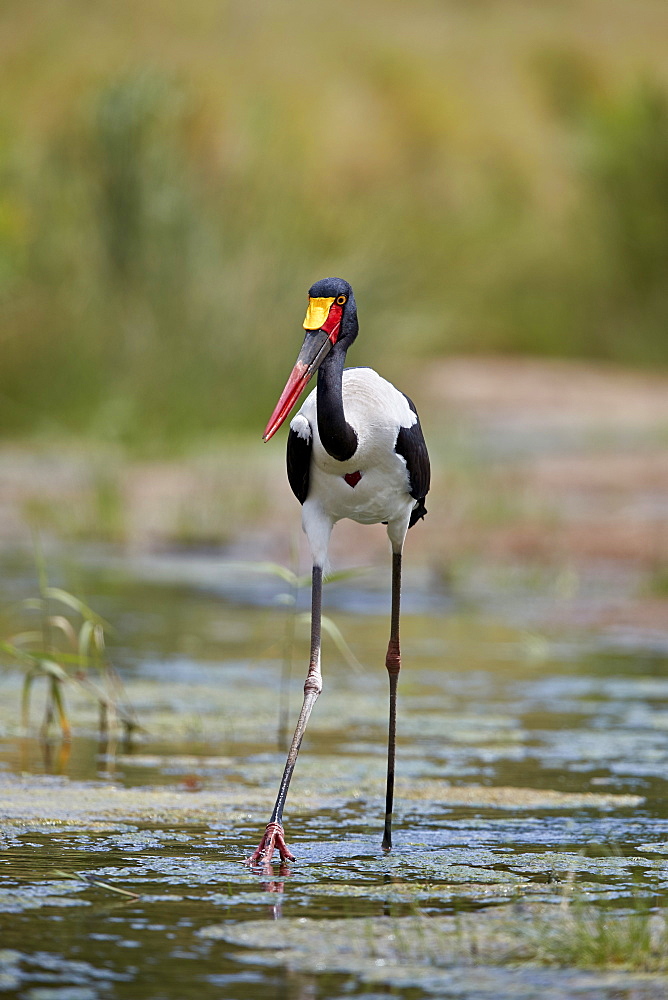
[[589, 937], [62, 641], [596, 937], [98, 883]]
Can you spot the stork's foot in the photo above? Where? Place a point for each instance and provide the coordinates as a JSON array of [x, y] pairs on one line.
[[273, 839]]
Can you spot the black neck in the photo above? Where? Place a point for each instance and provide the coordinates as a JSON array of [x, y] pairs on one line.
[[338, 437]]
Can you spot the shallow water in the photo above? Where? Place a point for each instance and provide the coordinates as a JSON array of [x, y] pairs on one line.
[[531, 770]]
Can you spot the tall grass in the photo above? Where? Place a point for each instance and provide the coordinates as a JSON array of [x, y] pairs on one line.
[[160, 224]]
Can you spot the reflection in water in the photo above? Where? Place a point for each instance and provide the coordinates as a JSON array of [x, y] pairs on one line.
[[275, 885], [56, 755]]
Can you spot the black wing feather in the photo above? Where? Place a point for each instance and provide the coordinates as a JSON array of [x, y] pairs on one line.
[[412, 447], [299, 464]]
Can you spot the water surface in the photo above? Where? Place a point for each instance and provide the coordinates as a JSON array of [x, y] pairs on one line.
[[531, 771]]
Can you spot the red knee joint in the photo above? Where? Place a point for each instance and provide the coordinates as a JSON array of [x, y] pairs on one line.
[[393, 658]]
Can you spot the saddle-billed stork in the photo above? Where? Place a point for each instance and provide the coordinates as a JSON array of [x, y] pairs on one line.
[[355, 449]]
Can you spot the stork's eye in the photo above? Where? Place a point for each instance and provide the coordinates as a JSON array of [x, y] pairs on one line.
[[342, 299]]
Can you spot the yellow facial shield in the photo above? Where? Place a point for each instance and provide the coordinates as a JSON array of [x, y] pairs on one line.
[[317, 313]]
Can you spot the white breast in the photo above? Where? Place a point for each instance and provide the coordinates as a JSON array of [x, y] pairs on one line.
[[376, 410]]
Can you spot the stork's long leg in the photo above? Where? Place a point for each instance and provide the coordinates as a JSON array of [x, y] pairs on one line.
[[393, 664], [273, 835]]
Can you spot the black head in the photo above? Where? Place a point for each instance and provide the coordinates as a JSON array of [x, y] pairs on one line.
[[329, 288]]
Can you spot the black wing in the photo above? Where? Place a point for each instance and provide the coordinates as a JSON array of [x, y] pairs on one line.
[[299, 464], [411, 446]]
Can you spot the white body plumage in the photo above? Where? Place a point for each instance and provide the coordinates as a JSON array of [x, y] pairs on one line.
[[376, 410]]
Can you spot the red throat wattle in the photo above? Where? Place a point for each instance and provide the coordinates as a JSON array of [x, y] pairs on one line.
[[332, 325]]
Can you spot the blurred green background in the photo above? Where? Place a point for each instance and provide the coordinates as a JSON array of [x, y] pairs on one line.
[[491, 176]]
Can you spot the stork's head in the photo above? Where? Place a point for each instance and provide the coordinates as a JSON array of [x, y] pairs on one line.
[[332, 310], [330, 323]]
